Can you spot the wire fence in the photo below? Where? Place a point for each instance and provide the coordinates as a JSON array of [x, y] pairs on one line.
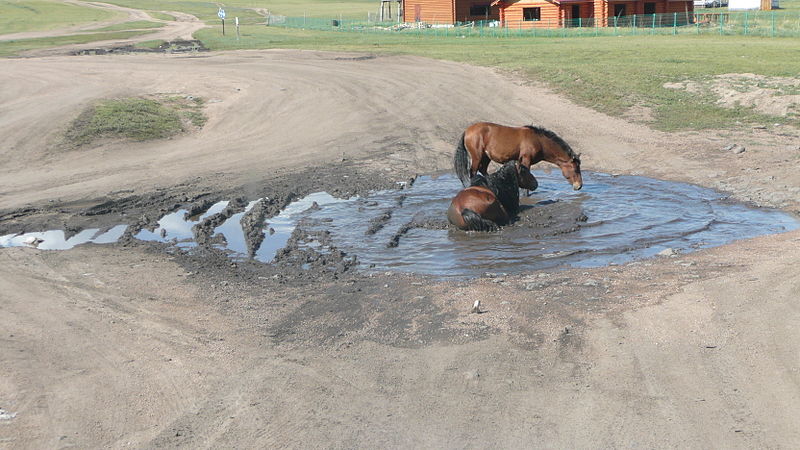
[[746, 23]]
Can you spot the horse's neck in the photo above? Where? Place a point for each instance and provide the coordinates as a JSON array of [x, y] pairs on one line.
[[552, 152]]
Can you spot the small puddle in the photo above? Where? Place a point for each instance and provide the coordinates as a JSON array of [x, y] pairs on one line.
[[613, 220]]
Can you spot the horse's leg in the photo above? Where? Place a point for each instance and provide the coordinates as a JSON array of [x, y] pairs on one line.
[[483, 167], [476, 165]]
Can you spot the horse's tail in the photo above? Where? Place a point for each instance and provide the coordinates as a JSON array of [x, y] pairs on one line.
[[476, 222], [461, 162]]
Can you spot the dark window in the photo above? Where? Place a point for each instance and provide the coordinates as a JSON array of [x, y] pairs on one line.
[[649, 8], [479, 10], [531, 14], [619, 10]]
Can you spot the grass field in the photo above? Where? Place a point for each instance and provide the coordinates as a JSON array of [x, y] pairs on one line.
[[136, 25], [39, 15], [352, 9], [160, 15], [610, 74]]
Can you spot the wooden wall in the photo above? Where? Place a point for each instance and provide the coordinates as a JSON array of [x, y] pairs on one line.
[[680, 7], [462, 8], [430, 11], [551, 15]]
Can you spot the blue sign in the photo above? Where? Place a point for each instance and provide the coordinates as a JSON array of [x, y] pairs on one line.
[[221, 14]]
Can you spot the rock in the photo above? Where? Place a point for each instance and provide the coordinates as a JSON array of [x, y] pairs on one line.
[[476, 307], [590, 282], [471, 375], [668, 252], [4, 415], [33, 241], [738, 149]]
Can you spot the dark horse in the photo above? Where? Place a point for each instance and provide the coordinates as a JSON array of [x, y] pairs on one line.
[[488, 202], [483, 142]]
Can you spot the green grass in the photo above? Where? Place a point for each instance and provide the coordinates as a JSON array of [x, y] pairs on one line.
[[12, 48], [138, 119], [243, 8], [149, 44], [161, 16], [135, 25], [609, 74], [40, 15]]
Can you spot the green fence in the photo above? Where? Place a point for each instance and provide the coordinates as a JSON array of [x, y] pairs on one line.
[[755, 23]]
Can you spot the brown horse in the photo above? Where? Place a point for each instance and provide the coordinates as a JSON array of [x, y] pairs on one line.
[[489, 202], [483, 142]]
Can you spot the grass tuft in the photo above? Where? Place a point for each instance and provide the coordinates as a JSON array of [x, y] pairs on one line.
[[137, 118]]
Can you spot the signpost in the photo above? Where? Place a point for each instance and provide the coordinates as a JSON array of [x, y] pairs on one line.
[[221, 14]]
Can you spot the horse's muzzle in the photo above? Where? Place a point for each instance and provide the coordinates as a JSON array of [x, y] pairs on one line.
[[577, 186]]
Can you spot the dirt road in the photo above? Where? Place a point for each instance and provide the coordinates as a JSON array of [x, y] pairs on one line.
[[125, 345]]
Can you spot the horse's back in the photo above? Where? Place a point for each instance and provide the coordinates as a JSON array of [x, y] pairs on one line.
[[501, 143], [480, 200]]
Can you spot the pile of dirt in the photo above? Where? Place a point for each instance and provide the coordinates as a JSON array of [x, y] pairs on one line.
[[774, 96]]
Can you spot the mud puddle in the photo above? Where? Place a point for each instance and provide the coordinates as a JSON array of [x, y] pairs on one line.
[[179, 46], [614, 219]]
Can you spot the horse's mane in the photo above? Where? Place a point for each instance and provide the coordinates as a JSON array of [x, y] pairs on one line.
[[555, 138], [504, 182]]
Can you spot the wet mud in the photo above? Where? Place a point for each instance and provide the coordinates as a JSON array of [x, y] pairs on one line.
[[297, 230], [181, 46]]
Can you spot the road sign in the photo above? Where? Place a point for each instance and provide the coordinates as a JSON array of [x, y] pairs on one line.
[[221, 14]]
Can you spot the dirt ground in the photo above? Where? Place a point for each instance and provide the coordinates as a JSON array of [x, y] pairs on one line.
[[126, 345]]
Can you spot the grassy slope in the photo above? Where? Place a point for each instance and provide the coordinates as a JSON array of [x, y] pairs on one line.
[[135, 25], [610, 74], [39, 15], [208, 10]]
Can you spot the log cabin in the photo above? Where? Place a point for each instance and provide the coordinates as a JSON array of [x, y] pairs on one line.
[[449, 11], [525, 14]]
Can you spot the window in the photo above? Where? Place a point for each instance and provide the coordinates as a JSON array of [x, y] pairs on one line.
[[619, 10], [479, 10], [531, 14], [649, 8]]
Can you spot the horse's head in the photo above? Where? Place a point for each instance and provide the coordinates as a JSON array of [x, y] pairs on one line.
[[556, 151], [526, 178], [505, 184], [571, 170]]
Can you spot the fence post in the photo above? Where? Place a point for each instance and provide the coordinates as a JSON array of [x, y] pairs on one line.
[[773, 23], [615, 26], [721, 24], [634, 24], [745, 23], [674, 23]]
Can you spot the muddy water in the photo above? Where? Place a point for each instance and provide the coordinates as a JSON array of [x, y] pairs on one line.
[[614, 219], [611, 220]]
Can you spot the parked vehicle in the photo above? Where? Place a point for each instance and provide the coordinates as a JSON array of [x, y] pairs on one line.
[[710, 3]]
